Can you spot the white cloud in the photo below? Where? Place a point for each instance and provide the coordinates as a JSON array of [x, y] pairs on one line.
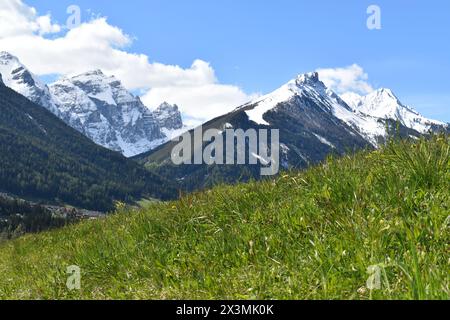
[[45, 25], [98, 45], [208, 100], [19, 19], [347, 79]]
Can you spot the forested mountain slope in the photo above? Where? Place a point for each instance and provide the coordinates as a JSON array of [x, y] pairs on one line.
[[43, 158]]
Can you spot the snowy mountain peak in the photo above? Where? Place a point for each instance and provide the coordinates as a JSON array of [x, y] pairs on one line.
[[167, 106], [16, 76], [7, 56], [381, 103], [365, 115], [90, 76], [386, 91], [105, 88], [15, 73], [308, 78], [169, 116], [100, 107], [305, 85], [352, 99], [96, 72], [97, 105], [384, 104]]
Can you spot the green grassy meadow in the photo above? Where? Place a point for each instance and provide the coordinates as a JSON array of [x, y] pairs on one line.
[[310, 234]]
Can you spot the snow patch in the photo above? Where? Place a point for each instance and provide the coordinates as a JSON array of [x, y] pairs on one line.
[[324, 141]]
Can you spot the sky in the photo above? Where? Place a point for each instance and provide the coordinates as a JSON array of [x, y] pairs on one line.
[[211, 56]]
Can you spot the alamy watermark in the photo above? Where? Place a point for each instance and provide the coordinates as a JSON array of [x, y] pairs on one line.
[[374, 280], [74, 279], [374, 19], [230, 147], [74, 19], [378, 278]]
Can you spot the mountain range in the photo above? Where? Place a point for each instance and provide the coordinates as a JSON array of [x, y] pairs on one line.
[[101, 108], [314, 122], [98, 106]]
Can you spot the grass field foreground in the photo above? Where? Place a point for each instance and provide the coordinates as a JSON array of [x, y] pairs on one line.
[[316, 234]]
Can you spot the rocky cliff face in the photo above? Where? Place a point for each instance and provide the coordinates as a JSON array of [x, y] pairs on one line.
[[98, 106], [101, 108], [168, 116], [16, 76]]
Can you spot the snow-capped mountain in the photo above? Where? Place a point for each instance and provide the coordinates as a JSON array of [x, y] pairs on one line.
[[170, 120], [303, 111], [101, 108], [98, 106], [313, 122], [16, 76], [308, 86], [368, 115], [384, 104], [168, 116]]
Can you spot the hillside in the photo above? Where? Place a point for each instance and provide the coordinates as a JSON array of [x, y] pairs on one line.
[[44, 159], [304, 235]]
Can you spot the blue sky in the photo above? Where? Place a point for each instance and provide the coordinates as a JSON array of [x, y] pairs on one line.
[[259, 45]]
